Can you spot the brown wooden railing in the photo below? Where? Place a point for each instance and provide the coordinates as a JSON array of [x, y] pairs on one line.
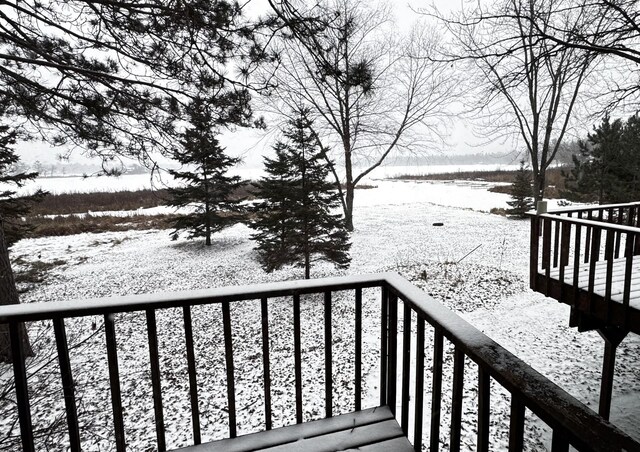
[[405, 314], [574, 253]]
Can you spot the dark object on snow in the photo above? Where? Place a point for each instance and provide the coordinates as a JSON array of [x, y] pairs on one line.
[[438, 224]]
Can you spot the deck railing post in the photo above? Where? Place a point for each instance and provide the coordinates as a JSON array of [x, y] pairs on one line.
[[533, 252]]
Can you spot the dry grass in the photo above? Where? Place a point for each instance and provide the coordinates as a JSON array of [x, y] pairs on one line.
[[555, 180], [68, 203], [69, 225]]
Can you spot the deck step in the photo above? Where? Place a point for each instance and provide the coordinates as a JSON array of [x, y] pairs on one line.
[[371, 430]]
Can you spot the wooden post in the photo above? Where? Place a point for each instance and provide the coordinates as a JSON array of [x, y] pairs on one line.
[[612, 338], [533, 252]]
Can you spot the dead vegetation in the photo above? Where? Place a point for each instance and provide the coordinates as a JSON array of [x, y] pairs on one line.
[[555, 179]]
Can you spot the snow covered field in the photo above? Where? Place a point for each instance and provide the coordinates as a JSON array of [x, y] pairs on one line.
[[393, 232]]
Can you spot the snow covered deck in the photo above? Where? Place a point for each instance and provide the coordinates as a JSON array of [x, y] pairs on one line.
[[589, 258], [415, 394]]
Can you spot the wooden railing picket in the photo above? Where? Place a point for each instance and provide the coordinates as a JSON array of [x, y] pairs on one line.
[[114, 381], [516, 424], [155, 378], [418, 416], [67, 384], [456, 400], [384, 344], [297, 356], [484, 409], [266, 365], [436, 389], [406, 367], [231, 381], [358, 351], [328, 356], [193, 379], [392, 360], [22, 393]]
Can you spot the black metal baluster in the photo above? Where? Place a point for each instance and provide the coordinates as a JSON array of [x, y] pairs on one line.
[[456, 402], [22, 393], [358, 351], [417, 418], [516, 425], [114, 381], [266, 366], [393, 351], [67, 384], [228, 354], [193, 380], [328, 358], [297, 359], [406, 366], [155, 378], [436, 390], [484, 409]]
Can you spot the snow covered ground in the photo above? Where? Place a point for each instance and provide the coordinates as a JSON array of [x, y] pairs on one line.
[[393, 232]]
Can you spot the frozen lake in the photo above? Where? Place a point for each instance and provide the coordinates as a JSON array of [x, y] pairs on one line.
[[79, 184]]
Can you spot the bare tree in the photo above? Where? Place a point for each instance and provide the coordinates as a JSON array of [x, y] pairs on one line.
[[370, 94], [609, 28], [527, 87]]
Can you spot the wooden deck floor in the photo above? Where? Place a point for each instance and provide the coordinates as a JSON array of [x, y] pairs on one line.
[[599, 288], [371, 430], [595, 310]]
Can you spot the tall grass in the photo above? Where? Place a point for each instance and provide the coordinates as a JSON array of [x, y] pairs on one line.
[[554, 177]]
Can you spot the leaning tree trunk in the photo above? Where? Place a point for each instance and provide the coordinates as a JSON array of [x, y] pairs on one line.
[[9, 295]]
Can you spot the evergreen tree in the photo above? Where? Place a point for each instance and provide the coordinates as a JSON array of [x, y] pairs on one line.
[[602, 172], [206, 188], [14, 208], [294, 222], [521, 193]]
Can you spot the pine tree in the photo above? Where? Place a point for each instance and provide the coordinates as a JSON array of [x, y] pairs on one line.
[[206, 188], [14, 208], [294, 222], [601, 169], [521, 193]]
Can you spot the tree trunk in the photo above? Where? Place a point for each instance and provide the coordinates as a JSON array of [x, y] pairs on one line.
[[9, 295], [539, 186], [348, 214], [307, 266]]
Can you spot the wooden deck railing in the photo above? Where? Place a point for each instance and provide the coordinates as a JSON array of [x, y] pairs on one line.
[[405, 314], [579, 250]]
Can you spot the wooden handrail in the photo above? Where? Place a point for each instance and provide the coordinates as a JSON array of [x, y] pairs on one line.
[[592, 223], [572, 422], [571, 209]]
